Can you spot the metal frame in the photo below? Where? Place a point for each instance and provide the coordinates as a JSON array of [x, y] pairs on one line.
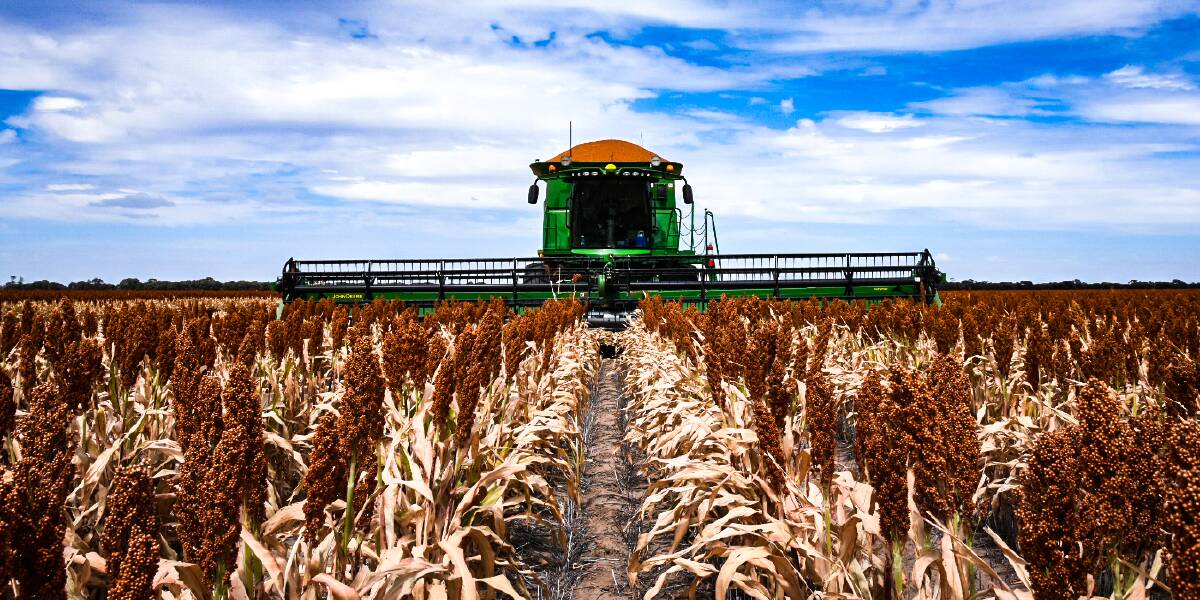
[[625, 278]]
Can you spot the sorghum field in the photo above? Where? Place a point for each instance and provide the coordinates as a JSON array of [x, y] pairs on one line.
[[1006, 445]]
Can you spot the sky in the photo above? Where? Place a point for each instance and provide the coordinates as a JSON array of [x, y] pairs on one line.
[[1015, 139]]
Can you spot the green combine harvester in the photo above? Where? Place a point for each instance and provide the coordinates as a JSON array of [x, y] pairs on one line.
[[613, 233]]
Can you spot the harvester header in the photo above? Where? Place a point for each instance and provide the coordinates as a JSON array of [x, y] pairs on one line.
[[613, 232]]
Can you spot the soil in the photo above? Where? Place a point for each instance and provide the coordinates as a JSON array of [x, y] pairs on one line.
[[607, 498]]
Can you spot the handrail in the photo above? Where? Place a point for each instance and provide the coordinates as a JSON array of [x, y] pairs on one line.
[[510, 277]]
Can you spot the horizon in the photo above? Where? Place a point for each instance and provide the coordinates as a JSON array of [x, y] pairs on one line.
[[1016, 141]]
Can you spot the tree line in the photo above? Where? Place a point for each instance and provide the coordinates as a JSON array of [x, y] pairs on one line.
[[134, 284]]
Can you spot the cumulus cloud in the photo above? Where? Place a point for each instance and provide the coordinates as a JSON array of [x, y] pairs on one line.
[[230, 118], [878, 122], [981, 101], [56, 103], [951, 25], [1135, 76], [1178, 110]]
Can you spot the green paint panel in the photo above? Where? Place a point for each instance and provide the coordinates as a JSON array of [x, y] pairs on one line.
[[558, 194], [556, 235]]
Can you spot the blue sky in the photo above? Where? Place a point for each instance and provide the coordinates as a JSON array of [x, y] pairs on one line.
[[1015, 139]]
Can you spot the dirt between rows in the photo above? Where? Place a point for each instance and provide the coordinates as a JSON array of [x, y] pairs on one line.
[[606, 498]]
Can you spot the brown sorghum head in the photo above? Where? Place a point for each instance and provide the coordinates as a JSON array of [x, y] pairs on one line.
[[516, 333], [338, 326], [435, 353], [866, 411], [1038, 353], [404, 349], [12, 522], [8, 406], [957, 433], [44, 475], [130, 535], [1182, 494], [277, 339], [1003, 341], [821, 417], [1182, 379], [27, 363], [79, 369], [196, 398], [243, 409], [1049, 487], [760, 358], [10, 332], [466, 378], [1089, 491], [779, 392], [484, 365], [360, 425], [223, 470], [443, 387], [325, 478]]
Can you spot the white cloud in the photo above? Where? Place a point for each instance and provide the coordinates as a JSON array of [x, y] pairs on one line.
[[1177, 110], [56, 103], [878, 122], [952, 25], [213, 119], [1135, 76], [980, 101], [7, 135]]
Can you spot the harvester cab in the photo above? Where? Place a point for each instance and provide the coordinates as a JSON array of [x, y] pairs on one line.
[[610, 198], [614, 232]]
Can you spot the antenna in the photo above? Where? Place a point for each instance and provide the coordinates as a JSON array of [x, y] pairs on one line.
[[570, 139]]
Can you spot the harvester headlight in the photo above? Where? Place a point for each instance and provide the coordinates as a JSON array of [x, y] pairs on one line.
[[670, 168], [566, 161], [611, 168], [655, 161], [553, 168]]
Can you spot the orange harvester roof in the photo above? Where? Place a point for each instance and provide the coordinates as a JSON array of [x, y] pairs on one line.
[[607, 151]]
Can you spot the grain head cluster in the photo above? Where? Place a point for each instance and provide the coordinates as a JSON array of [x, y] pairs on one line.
[[1006, 445]]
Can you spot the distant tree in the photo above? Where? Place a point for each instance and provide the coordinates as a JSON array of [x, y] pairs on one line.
[[92, 284]]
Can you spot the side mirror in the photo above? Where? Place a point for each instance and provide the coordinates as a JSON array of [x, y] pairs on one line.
[[687, 193], [533, 194]]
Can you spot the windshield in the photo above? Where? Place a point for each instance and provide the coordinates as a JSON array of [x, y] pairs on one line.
[[610, 213]]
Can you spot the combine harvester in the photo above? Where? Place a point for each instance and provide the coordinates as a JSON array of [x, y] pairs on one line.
[[611, 235]]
